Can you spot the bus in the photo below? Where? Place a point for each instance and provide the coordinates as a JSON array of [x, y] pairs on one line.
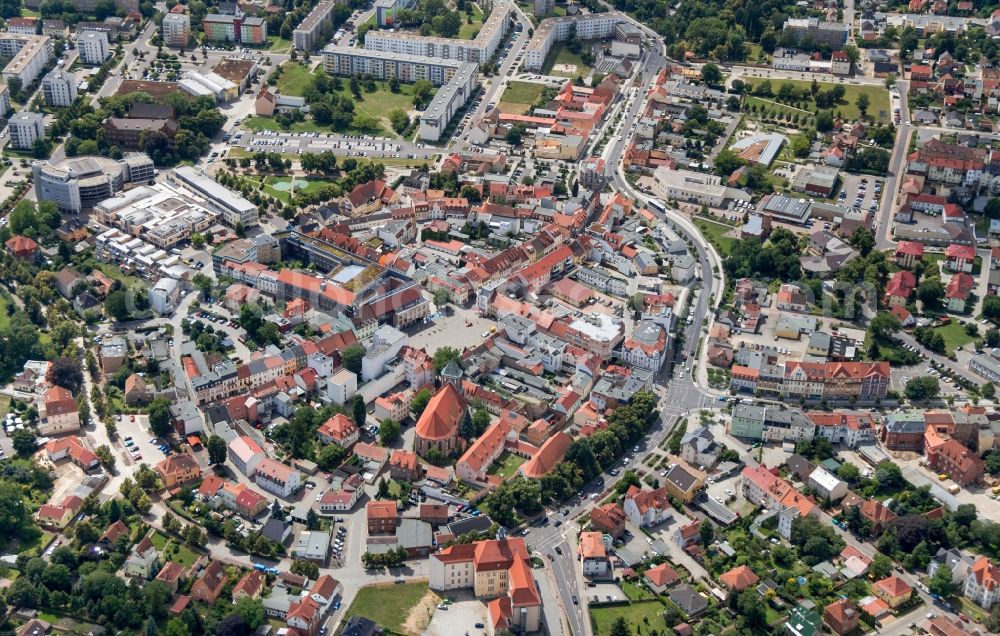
[[657, 205]]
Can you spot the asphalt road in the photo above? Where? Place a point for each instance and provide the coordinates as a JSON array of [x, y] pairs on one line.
[[884, 220]]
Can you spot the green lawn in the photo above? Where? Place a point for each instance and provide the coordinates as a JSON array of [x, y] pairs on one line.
[[518, 97], [465, 33], [714, 231], [561, 55], [240, 153], [277, 44], [116, 273], [172, 551], [506, 465], [387, 605], [635, 614], [28, 13], [301, 185], [295, 79], [954, 336], [878, 97]]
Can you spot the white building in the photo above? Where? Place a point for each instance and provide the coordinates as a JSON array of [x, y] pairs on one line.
[[312, 545], [982, 583], [176, 29], [342, 386], [93, 47], [277, 478], [309, 34], [826, 485], [4, 100], [594, 548], [235, 209], [685, 185], [164, 295], [589, 26], [647, 507], [699, 448], [25, 128], [386, 343], [29, 55], [59, 88]]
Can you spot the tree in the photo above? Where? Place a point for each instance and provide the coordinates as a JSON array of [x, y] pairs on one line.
[[116, 305], [444, 356], [216, 450], [727, 162], [330, 456], [620, 628], [419, 402], [862, 102], [351, 357], [707, 532], [922, 388], [388, 432], [399, 119], [251, 611], [863, 239], [467, 429], [234, 625], [358, 410], [824, 121], [25, 442], [941, 583], [305, 568], [65, 372], [711, 74], [14, 518], [889, 475], [159, 417], [883, 326], [880, 567], [849, 473], [930, 291], [991, 306]]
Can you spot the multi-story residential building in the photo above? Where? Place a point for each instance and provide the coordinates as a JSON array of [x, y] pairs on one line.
[[339, 430], [93, 47], [494, 569], [982, 583], [382, 516], [177, 470], [594, 554], [176, 28], [587, 26], [648, 346], [277, 478], [457, 79], [58, 413], [473, 466], [826, 485], [850, 429], [246, 454], [311, 32], [954, 459], [833, 34], [29, 56], [904, 431], [26, 128], [479, 51], [765, 488], [699, 448], [235, 28], [646, 508], [609, 519], [59, 88]]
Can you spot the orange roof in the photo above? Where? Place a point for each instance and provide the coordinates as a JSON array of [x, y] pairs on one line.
[[338, 427], [441, 418], [592, 545], [381, 510], [987, 575], [892, 586], [250, 583], [739, 578], [661, 575], [486, 446], [549, 454]]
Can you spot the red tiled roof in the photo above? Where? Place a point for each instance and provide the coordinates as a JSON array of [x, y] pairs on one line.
[[442, 415]]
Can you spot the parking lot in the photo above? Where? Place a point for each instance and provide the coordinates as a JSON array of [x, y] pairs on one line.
[[298, 143], [144, 447], [864, 193], [461, 617]]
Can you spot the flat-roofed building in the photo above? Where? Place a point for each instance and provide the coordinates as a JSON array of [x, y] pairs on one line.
[[309, 35], [59, 88], [25, 128], [589, 26], [696, 187], [176, 30], [29, 55], [235, 209], [93, 47]]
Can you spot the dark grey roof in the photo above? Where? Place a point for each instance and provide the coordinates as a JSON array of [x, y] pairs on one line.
[[360, 626], [688, 599], [681, 478], [481, 523]]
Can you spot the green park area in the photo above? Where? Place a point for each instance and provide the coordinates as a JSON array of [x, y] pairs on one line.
[[519, 97], [470, 27], [276, 44], [282, 187], [716, 233], [649, 614], [295, 79], [391, 605], [878, 98], [506, 465], [560, 60]]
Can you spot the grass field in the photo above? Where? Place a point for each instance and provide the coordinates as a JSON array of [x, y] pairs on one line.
[[182, 555], [519, 97], [506, 465], [278, 44], [383, 100], [561, 55], [301, 185], [649, 614], [295, 79], [465, 33], [116, 273], [240, 153], [878, 97], [714, 233], [387, 605], [954, 336], [28, 13], [774, 106]]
